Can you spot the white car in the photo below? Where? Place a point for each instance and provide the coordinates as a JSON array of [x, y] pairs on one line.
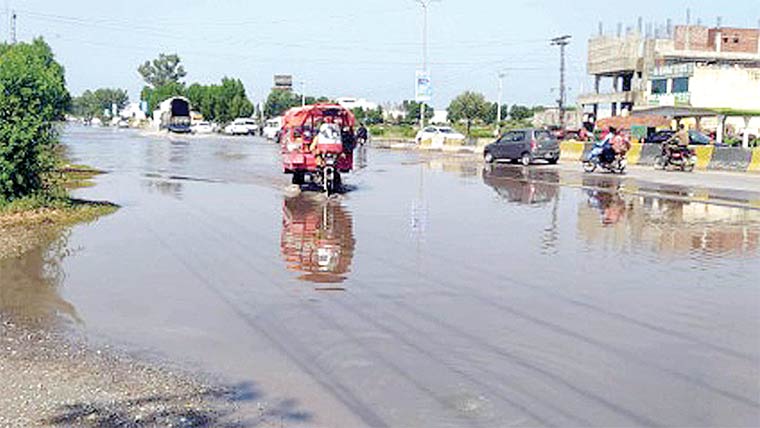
[[242, 126], [203, 127], [437, 135], [272, 128]]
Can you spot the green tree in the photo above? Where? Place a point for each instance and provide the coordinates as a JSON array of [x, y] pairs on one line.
[[155, 96], [412, 109], [94, 104], [34, 97], [519, 112], [469, 107], [374, 117], [279, 101], [162, 71], [221, 103], [493, 113]]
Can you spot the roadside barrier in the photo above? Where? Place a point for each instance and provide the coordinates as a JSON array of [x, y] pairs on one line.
[[647, 154], [730, 158], [704, 155], [571, 150], [634, 155], [754, 164]]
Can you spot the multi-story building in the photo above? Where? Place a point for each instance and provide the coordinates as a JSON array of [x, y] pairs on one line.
[[687, 66]]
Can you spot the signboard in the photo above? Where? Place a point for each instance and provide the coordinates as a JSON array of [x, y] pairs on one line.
[[283, 81], [670, 71], [423, 88]]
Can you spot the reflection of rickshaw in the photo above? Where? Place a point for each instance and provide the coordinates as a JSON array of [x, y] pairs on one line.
[[317, 144], [317, 239]]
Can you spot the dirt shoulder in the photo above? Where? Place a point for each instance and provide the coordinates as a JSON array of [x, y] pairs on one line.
[[51, 380], [51, 377]]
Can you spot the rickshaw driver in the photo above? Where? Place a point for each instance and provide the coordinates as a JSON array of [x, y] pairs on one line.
[[329, 133]]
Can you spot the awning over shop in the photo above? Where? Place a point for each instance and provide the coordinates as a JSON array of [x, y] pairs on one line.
[[682, 112]]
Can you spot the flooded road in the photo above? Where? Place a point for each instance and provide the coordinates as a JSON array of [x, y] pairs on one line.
[[436, 292]]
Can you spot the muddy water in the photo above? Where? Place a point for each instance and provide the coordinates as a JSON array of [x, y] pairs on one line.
[[435, 293]]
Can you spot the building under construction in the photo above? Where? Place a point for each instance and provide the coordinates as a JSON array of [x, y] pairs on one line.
[[690, 66]]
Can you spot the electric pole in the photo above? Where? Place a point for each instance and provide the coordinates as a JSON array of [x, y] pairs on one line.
[[303, 93], [13, 27], [562, 42], [424, 4], [498, 104]]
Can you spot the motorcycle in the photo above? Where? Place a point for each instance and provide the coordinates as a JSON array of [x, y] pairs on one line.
[[600, 158], [677, 156]]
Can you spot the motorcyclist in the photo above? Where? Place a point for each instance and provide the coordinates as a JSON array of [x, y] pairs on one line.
[[679, 141], [608, 152]]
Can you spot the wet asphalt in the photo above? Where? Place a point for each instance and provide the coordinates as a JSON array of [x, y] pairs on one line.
[[435, 291]]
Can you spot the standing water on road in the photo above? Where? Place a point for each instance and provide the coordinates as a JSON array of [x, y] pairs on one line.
[[435, 292]]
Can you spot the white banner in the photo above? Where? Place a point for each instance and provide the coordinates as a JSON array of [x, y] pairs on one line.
[[423, 88]]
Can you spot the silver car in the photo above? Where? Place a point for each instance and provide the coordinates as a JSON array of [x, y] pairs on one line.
[[524, 146]]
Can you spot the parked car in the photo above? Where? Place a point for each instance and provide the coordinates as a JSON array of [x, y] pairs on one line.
[[272, 128], [695, 137], [203, 127], [439, 133], [524, 146], [242, 126]]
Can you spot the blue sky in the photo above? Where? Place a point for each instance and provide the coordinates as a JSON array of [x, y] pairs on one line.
[[365, 48]]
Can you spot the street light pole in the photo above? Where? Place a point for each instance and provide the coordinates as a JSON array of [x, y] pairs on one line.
[[498, 104], [562, 42], [424, 4]]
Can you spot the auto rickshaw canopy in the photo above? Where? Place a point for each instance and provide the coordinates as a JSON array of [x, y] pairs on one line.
[[317, 114]]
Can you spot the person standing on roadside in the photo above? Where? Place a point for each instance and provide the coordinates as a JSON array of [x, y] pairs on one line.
[[362, 134]]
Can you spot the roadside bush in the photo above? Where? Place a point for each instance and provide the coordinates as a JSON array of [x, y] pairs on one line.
[[34, 97], [393, 131]]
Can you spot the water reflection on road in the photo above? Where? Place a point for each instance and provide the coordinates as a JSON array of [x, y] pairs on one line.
[[317, 238], [473, 296]]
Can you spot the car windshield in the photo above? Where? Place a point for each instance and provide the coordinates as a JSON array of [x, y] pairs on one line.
[[446, 130]]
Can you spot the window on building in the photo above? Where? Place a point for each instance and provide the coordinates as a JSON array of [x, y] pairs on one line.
[[659, 86], [680, 85], [736, 40]]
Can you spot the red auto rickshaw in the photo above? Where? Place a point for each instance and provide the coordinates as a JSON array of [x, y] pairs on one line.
[[317, 143]]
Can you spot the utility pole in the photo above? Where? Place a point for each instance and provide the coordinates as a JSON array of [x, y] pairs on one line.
[[13, 27], [562, 42], [303, 93], [424, 4], [498, 104]]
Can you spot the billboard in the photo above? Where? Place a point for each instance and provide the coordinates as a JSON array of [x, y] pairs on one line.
[[423, 88], [283, 81]]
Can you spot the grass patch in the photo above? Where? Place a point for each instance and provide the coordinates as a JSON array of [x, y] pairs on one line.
[[28, 222]]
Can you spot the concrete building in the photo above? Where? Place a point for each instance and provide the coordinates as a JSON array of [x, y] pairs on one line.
[[353, 102], [549, 118], [692, 66], [440, 117]]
